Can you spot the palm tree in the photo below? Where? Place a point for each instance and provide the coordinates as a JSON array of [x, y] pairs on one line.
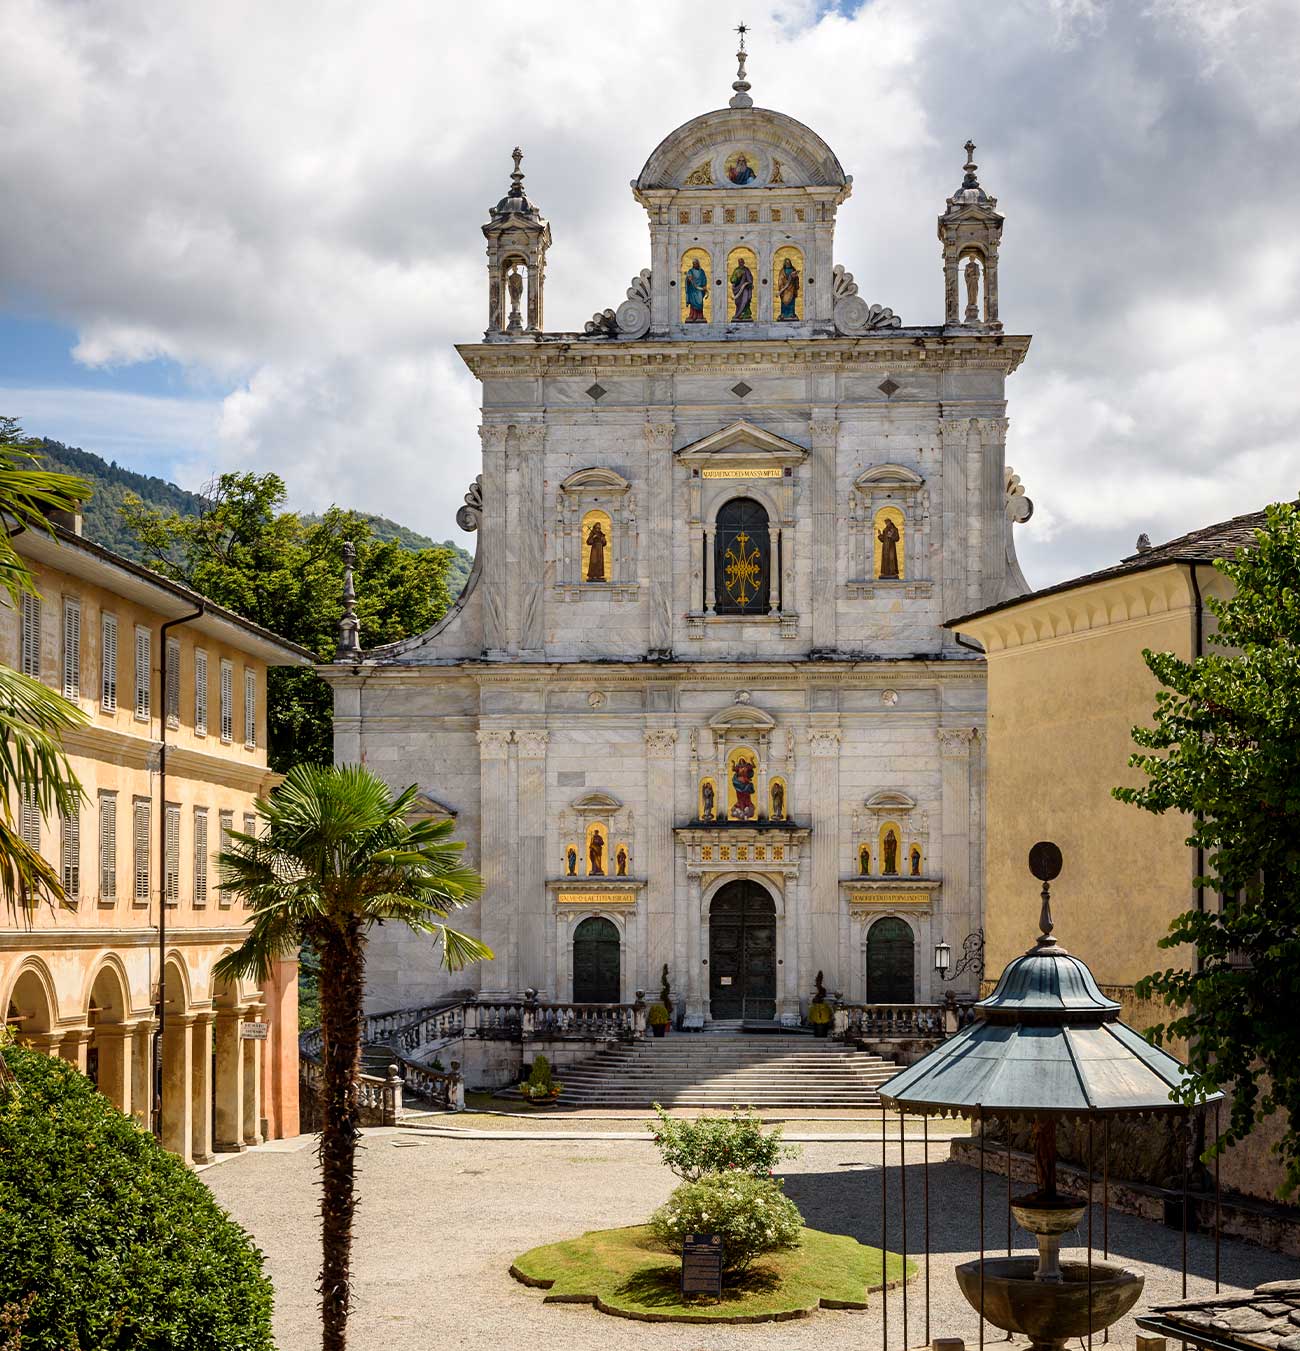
[[33, 717], [336, 855]]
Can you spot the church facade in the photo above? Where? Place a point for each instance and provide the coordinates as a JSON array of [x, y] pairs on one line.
[[695, 707]]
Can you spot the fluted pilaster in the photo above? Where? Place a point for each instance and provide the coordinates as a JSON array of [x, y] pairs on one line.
[[821, 951], [823, 433], [658, 865], [530, 891], [659, 454], [493, 590], [531, 537], [495, 835]]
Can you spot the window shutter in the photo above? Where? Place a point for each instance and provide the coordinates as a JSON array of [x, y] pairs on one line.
[[108, 847], [250, 708], [31, 636], [29, 826], [250, 823], [227, 701], [227, 823], [140, 849], [172, 853], [71, 649], [200, 856], [70, 853], [108, 665], [200, 692], [172, 683], [142, 673]]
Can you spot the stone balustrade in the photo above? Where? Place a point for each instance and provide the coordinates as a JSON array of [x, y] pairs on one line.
[[894, 1022], [381, 1099]]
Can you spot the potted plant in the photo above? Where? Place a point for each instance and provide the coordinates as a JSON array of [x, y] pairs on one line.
[[820, 1013], [658, 1019], [666, 999], [540, 1089]]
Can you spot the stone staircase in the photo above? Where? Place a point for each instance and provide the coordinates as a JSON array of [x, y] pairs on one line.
[[722, 1070]]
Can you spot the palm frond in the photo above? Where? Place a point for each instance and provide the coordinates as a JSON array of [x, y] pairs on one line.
[[33, 720], [28, 496], [25, 877]]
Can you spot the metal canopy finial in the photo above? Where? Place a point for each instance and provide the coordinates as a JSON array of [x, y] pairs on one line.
[[1045, 864], [741, 99], [970, 181], [517, 178], [349, 627]]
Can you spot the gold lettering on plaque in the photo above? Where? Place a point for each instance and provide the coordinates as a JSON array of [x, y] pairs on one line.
[[767, 471], [596, 897]]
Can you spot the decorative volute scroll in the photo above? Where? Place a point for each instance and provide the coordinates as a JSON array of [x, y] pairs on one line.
[[631, 319], [853, 315], [470, 516]]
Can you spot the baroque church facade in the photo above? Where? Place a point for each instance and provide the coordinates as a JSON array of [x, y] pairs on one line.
[[696, 707]]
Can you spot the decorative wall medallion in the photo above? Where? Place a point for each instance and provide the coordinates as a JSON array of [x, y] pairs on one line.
[[889, 697], [596, 392], [596, 698], [740, 168], [743, 696]]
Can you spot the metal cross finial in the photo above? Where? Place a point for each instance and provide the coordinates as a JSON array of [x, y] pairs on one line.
[[742, 28], [741, 99], [970, 181]]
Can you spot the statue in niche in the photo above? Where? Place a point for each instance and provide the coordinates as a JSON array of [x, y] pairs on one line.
[[972, 275], [739, 170], [787, 289], [889, 538], [742, 292], [596, 542], [916, 861], [620, 862], [778, 801], [696, 282], [864, 861], [515, 286], [707, 794], [891, 853], [742, 781], [596, 854], [571, 858]]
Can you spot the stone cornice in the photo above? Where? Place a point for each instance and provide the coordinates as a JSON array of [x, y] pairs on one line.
[[130, 749], [38, 940], [899, 349]]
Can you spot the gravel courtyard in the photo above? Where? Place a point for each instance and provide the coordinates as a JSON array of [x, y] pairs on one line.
[[440, 1220]]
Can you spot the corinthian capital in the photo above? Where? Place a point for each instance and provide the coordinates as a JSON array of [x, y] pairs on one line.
[[494, 745], [992, 430], [493, 435], [955, 742], [824, 740], [531, 437], [823, 431], [532, 744], [658, 435], [660, 742]]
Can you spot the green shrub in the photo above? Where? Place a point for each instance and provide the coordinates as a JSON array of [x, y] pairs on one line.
[[665, 993], [658, 1015], [718, 1144], [819, 1011], [118, 1242], [540, 1083], [750, 1214]]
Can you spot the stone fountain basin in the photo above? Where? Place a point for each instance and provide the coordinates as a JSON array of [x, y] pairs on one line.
[[1049, 1312], [1044, 1215]]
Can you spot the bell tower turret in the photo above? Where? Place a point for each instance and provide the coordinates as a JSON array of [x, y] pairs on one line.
[[517, 239], [971, 231]]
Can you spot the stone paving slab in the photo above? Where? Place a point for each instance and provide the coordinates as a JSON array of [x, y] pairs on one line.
[[440, 1220]]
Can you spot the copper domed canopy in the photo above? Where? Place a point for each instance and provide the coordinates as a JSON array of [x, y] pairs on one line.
[[1046, 1042]]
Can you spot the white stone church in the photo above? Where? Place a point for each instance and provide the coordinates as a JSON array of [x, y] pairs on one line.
[[696, 707]]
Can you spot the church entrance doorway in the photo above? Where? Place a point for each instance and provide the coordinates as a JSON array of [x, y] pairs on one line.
[[742, 953], [890, 956], [596, 972]]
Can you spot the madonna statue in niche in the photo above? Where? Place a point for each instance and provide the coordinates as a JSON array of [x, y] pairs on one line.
[[596, 542], [742, 780]]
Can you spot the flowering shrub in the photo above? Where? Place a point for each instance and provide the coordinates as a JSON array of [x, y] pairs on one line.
[[750, 1214], [718, 1144]]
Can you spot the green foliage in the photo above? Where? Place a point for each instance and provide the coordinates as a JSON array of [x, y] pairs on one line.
[[665, 994], [107, 1239], [308, 989], [286, 573], [819, 1012], [540, 1083], [659, 1015], [718, 1144], [751, 1214], [1224, 751]]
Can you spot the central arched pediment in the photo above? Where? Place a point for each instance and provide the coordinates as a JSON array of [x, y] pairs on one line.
[[742, 718], [596, 802]]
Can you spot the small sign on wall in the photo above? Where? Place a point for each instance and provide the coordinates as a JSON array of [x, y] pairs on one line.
[[254, 1031]]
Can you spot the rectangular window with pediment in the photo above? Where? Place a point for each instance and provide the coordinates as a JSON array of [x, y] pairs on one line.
[[596, 536]]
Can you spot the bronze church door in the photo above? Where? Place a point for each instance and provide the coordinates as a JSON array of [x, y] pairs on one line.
[[596, 973], [742, 953], [890, 963]]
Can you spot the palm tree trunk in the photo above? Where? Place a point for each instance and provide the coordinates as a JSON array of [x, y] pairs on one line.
[[342, 967]]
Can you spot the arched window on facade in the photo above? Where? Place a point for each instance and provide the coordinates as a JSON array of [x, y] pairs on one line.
[[742, 558]]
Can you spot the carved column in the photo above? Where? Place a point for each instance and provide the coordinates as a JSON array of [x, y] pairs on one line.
[[955, 434], [229, 1086], [821, 951], [531, 538], [493, 544], [951, 295], [775, 571], [659, 862], [178, 1072], [201, 1120], [252, 1060], [991, 285], [823, 432], [993, 508], [710, 573], [659, 454], [956, 920], [114, 1042], [495, 833], [530, 896]]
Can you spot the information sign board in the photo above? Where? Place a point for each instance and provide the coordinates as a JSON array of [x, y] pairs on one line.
[[254, 1031], [702, 1265]]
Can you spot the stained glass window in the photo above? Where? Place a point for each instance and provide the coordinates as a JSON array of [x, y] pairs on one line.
[[742, 558]]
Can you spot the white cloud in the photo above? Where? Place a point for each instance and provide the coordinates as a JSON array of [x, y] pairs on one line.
[[286, 200]]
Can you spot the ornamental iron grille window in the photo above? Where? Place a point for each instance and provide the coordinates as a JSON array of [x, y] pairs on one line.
[[742, 558]]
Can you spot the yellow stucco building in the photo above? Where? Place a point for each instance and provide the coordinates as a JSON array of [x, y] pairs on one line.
[[172, 757], [1066, 685]]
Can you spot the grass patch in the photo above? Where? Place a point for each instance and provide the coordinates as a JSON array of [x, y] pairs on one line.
[[624, 1272]]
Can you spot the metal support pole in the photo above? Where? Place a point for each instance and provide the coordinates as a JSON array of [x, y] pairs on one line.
[[1105, 1199], [980, 1111], [884, 1231], [1008, 1196], [902, 1174], [925, 1175]]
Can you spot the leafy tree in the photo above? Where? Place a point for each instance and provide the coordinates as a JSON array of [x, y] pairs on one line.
[[32, 716], [107, 1240], [1224, 750], [286, 573], [335, 855]]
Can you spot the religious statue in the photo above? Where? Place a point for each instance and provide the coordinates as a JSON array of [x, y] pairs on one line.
[[620, 862], [596, 542], [696, 282], [972, 275], [864, 861], [778, 801], [889, 538], [891, 853], [596, 855], [515, 285], [739, 170], [787, 289], [742, 292], [742, 781], [571, 857], [916, 861], [707, 794]]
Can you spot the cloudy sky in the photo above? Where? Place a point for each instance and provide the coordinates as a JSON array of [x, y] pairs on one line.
[[243, 235]]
